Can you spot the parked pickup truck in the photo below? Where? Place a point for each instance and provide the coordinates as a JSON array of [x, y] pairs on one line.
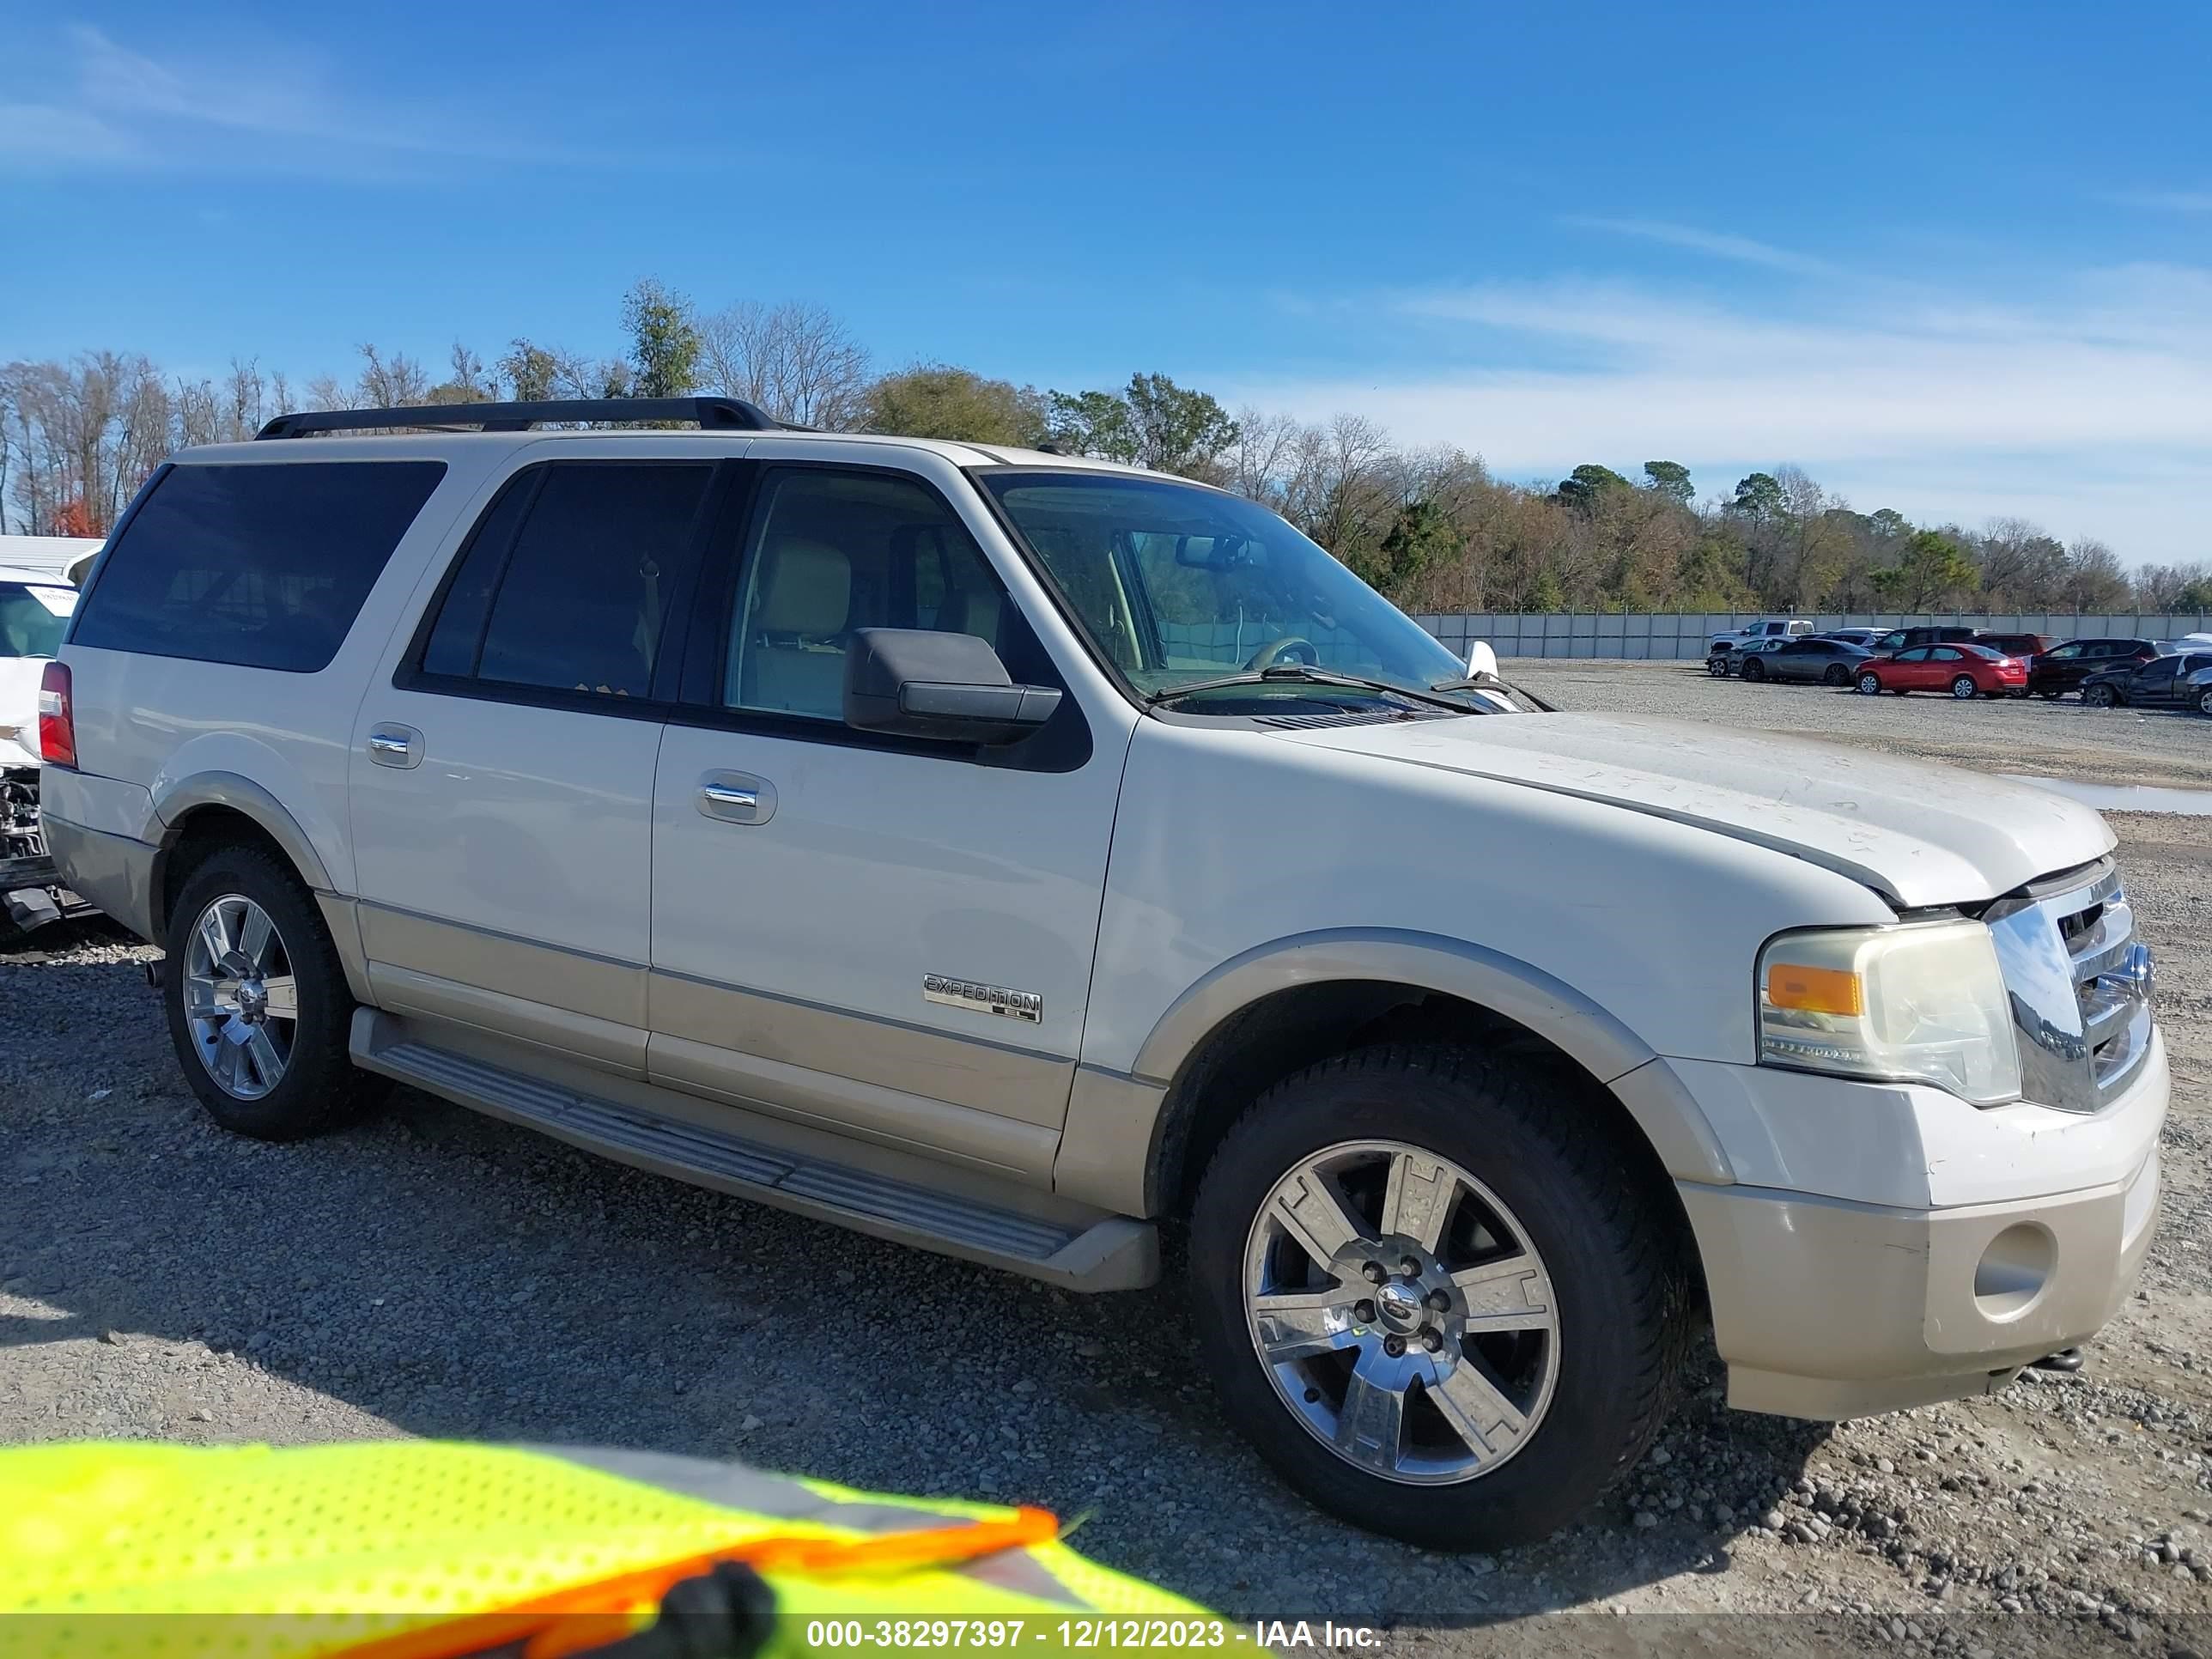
[[1769, 627], [1014, 855]]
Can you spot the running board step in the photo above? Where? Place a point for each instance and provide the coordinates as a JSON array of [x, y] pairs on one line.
[[1114, 1253]]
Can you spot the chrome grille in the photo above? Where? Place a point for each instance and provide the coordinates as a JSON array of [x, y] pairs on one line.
[[2079, 984]]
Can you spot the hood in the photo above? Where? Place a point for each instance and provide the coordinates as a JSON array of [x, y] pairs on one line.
[[1917, 832]]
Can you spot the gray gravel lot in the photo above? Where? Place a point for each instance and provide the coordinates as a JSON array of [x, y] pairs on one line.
[[2055, 739], [434, 1272]]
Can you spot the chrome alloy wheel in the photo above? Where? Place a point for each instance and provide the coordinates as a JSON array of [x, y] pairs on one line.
[[1401, 1312], [241, 999]]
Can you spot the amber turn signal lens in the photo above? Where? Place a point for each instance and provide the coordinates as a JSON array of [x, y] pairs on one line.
[[1815, 990]]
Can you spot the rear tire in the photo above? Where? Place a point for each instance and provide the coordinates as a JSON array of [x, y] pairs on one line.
[[1964, 688], [224, 982], [1529, 1178]]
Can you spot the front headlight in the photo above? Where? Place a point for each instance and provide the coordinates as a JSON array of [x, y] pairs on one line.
[[1923, 1002]]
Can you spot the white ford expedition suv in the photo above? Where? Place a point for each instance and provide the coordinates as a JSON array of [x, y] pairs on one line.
[[1013, 854]]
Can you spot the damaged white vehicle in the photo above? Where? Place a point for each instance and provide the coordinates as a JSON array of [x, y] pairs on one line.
[[35, 613]]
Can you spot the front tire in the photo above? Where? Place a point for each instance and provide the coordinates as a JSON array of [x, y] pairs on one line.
[[2099, 697], [257, 1000], [1964, 688], [1754, 672], [1870, 685], [1836, 675], [1717, 667], [1468, 1213], [2205, 700]]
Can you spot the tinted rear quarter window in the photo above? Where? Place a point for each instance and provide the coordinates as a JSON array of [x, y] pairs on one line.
[[264, 565]]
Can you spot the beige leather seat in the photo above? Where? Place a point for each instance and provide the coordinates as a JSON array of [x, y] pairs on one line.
[[793, 655]]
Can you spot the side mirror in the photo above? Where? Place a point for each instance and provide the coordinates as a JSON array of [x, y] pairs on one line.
[[1481, 660], [917, 682]]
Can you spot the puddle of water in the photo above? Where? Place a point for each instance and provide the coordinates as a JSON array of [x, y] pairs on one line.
[[2125, 797]]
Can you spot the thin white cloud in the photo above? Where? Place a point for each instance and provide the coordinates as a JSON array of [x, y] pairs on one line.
[[1742, 250], [1948, 395], [2167, 201], [245, 109]]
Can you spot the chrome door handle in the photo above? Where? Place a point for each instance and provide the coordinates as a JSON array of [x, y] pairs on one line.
[[735, 798], [395, 745]]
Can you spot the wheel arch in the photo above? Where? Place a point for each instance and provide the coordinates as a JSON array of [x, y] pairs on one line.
[[213, 810], [1280, 1007]]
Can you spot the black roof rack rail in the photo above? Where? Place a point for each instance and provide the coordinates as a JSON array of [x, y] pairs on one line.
[[709, 414]]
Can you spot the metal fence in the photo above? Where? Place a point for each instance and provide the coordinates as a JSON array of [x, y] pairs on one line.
[[1670, 636]]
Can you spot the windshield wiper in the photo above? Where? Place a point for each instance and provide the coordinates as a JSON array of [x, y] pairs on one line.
[[1491, 683], [1304, 673]]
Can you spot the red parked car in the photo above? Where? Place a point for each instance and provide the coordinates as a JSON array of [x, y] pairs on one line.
[[1964, 670]]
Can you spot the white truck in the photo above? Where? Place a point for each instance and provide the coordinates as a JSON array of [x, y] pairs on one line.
[[1767, 628], [1016, 855]]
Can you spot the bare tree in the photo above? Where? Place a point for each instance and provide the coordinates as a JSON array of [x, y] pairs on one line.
[[796, 361], [2093, 578], [398, 382], [1260, 464]]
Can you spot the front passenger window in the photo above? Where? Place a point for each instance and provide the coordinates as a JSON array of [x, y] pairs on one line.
[[831, 551]]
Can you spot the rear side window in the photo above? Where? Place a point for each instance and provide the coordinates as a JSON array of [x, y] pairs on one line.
[[566, 581], [264, 565]]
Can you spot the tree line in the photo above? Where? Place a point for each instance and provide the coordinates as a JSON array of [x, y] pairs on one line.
[[1431, 527]]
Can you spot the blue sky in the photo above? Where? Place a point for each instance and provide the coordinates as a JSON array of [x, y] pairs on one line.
[[1954, 260]]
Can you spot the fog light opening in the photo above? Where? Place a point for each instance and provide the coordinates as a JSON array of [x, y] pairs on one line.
[[2014, 1270]]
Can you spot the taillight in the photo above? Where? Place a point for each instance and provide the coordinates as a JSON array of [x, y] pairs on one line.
[[57, 717]]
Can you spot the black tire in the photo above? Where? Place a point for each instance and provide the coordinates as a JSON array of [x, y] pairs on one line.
[[1869, 685], [320, 1089], [2100, 696], [1616, 1261], [1964, 688], [2205, 700], [1717, 667], [1754, 671], [1836, 675]]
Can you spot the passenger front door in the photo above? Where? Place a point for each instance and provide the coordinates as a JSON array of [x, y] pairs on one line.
[[1911, 671], [885, 936], [2152, 683]]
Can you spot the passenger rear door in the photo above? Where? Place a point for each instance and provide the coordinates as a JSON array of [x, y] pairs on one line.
[[885, 936], [502, 777]]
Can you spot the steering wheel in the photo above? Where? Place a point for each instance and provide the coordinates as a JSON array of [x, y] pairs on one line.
[[1290, 648]]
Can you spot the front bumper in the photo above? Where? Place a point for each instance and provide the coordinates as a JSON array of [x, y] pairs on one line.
[[1828, 1308]]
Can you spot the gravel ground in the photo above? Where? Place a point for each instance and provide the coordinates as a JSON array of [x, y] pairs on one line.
[[2052, 738], [434, 1273]]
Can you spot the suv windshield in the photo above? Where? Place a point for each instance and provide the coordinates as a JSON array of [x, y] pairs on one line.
[[32, 619], [1177, 584]]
